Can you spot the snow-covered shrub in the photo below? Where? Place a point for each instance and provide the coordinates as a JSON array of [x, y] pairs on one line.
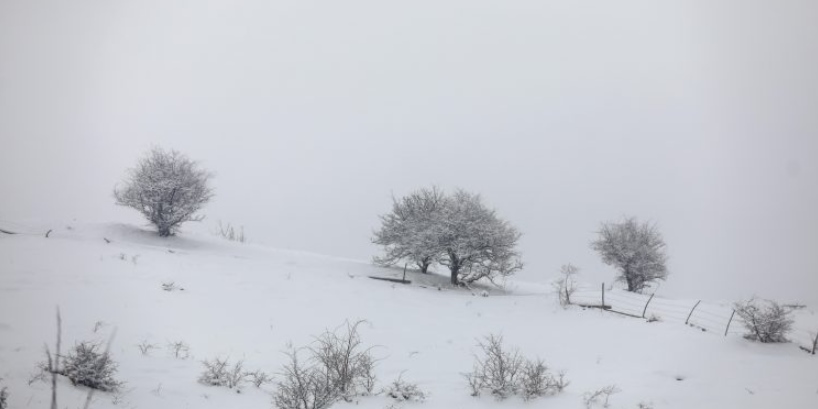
[[349, 365], [599, 397], [304, 386], [339, 367], [145, 347], [171, 286], [768, 321], [403, 391], [497, 370], [4, 395], [258, 378], [179, 349], [86, 365], [535, 380], [218, 372], [566, 285], [167, 188], [505, 372], [230, 233]]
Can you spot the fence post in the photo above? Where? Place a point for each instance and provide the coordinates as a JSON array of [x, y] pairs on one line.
[[603, 295], [728, 323], [691, 311], [646, 305], [815, 343]]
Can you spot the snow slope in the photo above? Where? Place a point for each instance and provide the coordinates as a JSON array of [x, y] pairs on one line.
[[247, 302]]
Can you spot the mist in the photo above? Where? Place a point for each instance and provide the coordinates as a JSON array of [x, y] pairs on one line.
[[699, 116]]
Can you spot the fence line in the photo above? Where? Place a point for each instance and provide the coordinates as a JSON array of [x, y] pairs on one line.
[[705, 316]]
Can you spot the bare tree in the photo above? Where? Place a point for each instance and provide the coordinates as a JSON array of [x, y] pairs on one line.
[[766, 323], [566, 285], [475, 242], [167, 188], [408, 231], [636, 249]]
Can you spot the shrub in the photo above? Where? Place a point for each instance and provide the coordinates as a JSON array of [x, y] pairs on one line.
[[230, 233], [179, 349], [145, 347], [599, 396], [348, 364], [86, 365], [338, 368], [766, 323], [258, 378], [403, 391], [218, 372], [535, 380], [505, 372], [304, 386], [4, 395]]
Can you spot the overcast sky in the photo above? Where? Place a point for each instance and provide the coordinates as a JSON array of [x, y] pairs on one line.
[[701, 116]]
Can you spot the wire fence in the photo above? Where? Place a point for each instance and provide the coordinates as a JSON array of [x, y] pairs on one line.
[[713, 318]]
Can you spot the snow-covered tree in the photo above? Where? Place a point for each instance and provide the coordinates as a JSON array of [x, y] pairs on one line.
[[167, 188], [475, 242], [636, 249], [408, 232]]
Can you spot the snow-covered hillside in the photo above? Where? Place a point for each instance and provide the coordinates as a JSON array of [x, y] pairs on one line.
[[248, 302]]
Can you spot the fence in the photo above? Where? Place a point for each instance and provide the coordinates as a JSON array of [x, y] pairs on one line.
[[706, 316]]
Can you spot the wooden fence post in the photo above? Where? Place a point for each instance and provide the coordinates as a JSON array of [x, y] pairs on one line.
[[646, 305], [603, 295], [691, 311], [404, 271], [815, 343], [728, 323]]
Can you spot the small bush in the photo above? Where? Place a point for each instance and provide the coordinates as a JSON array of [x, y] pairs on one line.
[[338, 368], [304, 386], [599, 396], [145, 347], [349, 365], [536, 381], [218, 372], [228, 232], [258, 378], [766, 323], [179, 349], [505, 373], [86, 365], [4, 395], [403, 391]]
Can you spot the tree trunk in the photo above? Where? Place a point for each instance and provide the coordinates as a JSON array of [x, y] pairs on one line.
[[629, 280], [424, 268], [455, 269], [164, 231]]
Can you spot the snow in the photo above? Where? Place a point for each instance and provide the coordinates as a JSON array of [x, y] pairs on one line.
[[246, 301]]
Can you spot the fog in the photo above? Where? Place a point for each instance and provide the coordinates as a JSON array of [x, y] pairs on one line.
[[697, 115]]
